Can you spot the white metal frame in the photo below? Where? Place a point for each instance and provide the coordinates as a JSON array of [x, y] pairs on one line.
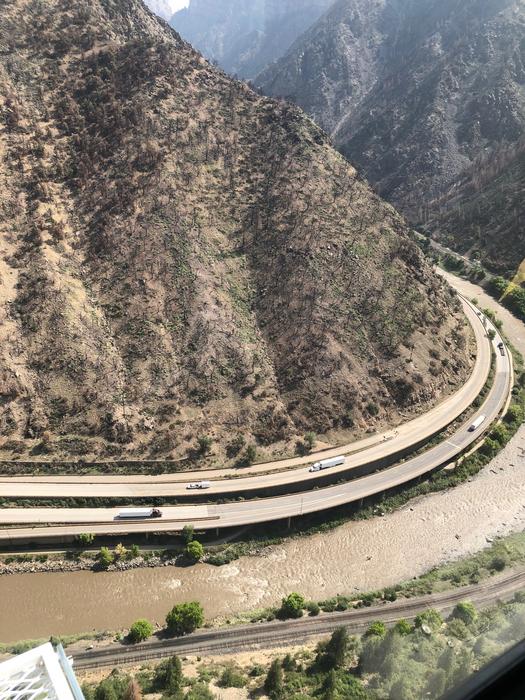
[[39, 674]]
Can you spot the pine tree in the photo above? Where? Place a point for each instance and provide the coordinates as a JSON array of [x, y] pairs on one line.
[[273, 685], [336, 648]]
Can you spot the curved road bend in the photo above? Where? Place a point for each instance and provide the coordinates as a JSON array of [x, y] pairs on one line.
[[361, 453], [270, 634], [73, 521]]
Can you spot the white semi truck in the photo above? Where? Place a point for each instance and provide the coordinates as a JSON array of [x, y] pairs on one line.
[[139, 513], [327, 463], [479, 420]]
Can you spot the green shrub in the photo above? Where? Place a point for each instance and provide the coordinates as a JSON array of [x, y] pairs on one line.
[[429, 617], [313, 608], [230, 678], [403, 627], [457, 628], [465, 612], [194, 550], [499, 562], [105, 558], [140, 631], [204, 442], [184, 618], [292, 606], [376, 629]]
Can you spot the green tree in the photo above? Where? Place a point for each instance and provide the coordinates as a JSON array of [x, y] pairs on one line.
[[330, 686], [490, 447], [168, 676], [194, 550], [85, 539], [437, 684], [336, 649], [514, 415], [113, 687], [500, 434], [187, 533], [140, 631], [204, 442], [105, 558], [310, 439], [274, 683], [184, 618], [250, 454], [466, 612], [134, 551], [133, 691], [292, 606], [106, 691]]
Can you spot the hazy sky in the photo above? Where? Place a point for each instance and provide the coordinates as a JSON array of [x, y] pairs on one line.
[[178, 4]]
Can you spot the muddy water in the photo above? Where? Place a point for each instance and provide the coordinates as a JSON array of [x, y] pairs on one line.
[[356, 556]]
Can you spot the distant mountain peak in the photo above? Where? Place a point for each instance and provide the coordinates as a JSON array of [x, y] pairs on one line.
[[166, 8]]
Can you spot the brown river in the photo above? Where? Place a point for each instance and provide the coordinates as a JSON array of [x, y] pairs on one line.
[[356, 556]]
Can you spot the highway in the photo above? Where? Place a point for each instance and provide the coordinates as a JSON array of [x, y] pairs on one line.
[[284, 473], [68, 522], [232, 640]]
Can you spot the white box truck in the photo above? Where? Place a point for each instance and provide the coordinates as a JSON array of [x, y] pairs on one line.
[[479, 420], [139, 513], [327, 463]]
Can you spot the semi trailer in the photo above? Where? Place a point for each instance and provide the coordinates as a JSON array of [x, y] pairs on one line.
[[474, 426], [327, 463], [139, 513]]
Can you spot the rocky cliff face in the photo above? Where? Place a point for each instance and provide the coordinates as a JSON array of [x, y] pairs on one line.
[[412, 92], [180, 257], [244, 36]]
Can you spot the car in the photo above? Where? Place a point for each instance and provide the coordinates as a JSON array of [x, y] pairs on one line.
[[199, 485]]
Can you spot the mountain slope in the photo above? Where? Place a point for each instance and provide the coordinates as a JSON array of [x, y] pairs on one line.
[[180, 257], [483, 213], [334, 64], [244, 36], [425, 88]]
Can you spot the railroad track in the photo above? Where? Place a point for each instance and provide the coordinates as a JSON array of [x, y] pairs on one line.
[[271, 634]]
